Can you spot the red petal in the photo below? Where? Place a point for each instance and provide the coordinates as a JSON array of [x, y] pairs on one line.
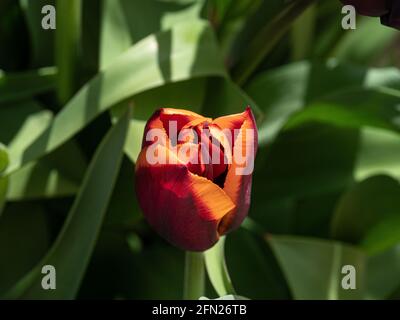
[[182, 117], [238, 187], [182, 207], [162, 117]]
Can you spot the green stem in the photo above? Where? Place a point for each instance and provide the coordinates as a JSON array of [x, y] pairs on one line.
[[193, 287]]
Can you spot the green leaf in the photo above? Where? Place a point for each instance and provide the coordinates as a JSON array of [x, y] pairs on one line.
[[229, 18], [40, 180], [308, 84], [355, 109], [68, 46], [25, 228], [58, 174], [253, 267], [353, 46], [303, 34], [369, 213], [258, 48], [186, 51], [120, 28], [383, 277], [23, 85], [217, 270], [72, 250], [377, 154], [276, 101], [3, 180], [309, 160], [21, 124], [313, 268], [124, 211], [225, 97], [4, 161], [133, 144]]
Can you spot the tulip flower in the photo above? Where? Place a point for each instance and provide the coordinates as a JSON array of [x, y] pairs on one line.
[[193, 175], [388, 10]]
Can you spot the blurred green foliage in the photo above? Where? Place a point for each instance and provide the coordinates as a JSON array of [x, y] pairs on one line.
[[73, 103]]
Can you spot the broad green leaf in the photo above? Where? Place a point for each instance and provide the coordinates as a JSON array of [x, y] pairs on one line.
[[369, 213], [377, 154], [383, 235], [278, 101], [21, 123], [383, 276], [217, 270], [273, 30], [313, 268], [335, 77], [58, 174], [4, 161], [189, 94], [225, 97], [303, 33], [241, 20], [192, 53], [73, 247], [123, 211], [133, 143], [309, 160], [40, 180], [355, 109], [229, 18], [123, 24], [253, 268], [23, 85], [25, 236], [307, 83], [353, 46]]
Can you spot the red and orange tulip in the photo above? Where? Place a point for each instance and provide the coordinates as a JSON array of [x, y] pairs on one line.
[[188, 200]]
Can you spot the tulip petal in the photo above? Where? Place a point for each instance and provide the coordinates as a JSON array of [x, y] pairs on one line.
[[182, 117], [233, 121], [183, 207], [238, 186], [162, 117]]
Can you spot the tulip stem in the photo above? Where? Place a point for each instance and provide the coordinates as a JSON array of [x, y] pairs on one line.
[[193, 287]]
